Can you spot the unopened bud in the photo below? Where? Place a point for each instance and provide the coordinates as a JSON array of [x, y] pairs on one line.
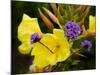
[[46, 20]]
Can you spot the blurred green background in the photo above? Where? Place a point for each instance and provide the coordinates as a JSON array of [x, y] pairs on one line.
[[20, 63]]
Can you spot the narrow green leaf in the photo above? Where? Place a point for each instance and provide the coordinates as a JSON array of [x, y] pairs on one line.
[[75, 62], [54, 7], [60, 18]]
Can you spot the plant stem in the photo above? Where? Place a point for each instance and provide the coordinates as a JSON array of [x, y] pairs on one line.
[[60, 26], [75, 52]]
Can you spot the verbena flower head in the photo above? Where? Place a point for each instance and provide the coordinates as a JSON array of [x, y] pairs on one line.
[[69, 25], [73, 30], [71, 34], [86, 44], [35, 38]]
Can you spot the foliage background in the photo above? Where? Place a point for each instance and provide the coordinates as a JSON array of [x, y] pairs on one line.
[[20, 63]]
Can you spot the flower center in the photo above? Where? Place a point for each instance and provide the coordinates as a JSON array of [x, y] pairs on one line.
[[56, 48]]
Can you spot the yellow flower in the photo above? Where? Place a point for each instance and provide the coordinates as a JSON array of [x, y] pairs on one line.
[[51, 49], [27, 27], [92, 24]]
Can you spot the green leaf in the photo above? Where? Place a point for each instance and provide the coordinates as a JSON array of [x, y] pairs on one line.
[[75, 62]]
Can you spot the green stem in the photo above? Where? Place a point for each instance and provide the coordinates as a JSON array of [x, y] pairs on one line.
[[60, 25], [75, 52]]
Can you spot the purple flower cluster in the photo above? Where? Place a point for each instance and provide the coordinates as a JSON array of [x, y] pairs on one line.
[[86, 44], [72, 30], [34, 38]]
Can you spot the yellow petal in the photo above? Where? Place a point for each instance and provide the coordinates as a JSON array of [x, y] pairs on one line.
[[52, 59], [62, 54], [49, 41], [26, 17], [40, 62], [25, 38], [41, 50], [64, 50], [28, 26], [60, 37], [25, 48], [59, 33], [92, 24]]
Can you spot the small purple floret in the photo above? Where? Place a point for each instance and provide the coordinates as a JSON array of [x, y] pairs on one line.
[[71, 34], [86, 44], [69, 25], [34, 38]]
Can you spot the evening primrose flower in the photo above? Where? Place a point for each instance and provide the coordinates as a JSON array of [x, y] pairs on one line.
[[48, 50], [26, 29], [51, 49], [92, 24]]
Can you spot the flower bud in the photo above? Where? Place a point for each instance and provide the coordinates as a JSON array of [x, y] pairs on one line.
[[51, 15], [46, 20]]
